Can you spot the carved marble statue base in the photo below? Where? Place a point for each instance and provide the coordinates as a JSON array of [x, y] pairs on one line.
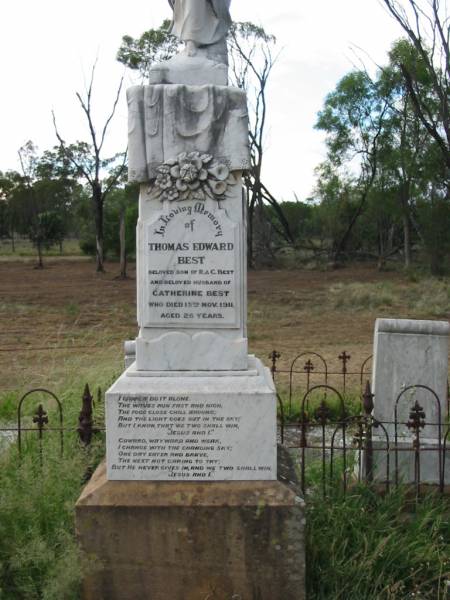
[[189, 70]]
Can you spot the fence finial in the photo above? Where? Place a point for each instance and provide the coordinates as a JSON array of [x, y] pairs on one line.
[[368, 397], [274, 357], [85, 428]]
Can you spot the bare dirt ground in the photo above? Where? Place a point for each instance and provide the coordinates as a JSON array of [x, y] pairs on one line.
[[67, 315]]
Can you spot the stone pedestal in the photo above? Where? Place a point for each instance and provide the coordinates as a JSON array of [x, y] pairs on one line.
[[431, 469], [192, 426], [193, 541]]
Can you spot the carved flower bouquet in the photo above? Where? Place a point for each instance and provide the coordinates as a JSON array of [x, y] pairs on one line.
[[192, 176]]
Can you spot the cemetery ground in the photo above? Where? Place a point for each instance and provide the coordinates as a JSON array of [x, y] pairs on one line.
[[65, 325]]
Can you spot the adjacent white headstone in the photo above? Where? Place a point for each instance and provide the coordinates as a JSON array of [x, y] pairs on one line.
[[410, 353]]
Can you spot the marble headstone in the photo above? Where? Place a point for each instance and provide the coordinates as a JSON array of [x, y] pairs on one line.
[[409, 353], [192, 404], [192, 500]]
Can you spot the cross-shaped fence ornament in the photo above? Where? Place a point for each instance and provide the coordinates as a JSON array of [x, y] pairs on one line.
[[417, 418], [309, 367], [344, 357], [323, 413], [40, 418]]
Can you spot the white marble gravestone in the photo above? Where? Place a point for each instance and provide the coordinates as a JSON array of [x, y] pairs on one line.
[[409, 353], [190, 499], [192, 405]]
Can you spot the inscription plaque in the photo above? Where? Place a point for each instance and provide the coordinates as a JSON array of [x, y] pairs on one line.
[[191, 438], [192, 269]]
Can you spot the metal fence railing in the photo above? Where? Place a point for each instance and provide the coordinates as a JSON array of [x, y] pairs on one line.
[[330, 430], [44, 421], [335, 438]]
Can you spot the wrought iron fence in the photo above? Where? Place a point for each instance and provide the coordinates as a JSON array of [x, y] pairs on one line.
[[333, 440], [338, 443], [310, 365], [44, 421]]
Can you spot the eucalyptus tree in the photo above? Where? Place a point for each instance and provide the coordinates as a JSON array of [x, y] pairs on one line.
[[100, 173], [426, 71], [353, 117], [412, 157], [405, 146], [39, 202], [9, 181]]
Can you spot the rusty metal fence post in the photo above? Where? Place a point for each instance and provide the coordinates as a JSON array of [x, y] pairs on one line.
[[85, 421], [368, 407]]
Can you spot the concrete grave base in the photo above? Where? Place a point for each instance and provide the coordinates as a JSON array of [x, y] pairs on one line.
[[193, 541], [430, 468]]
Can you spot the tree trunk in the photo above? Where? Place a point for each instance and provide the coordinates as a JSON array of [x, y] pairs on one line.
[[123, 251], [405, 189], [407, 240], [40, 264], [97, 198], [250, 219], [381, 251], [13, 241]]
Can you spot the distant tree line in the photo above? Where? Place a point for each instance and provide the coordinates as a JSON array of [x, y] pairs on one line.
[[47, 202], [384, 189], [382, 193]]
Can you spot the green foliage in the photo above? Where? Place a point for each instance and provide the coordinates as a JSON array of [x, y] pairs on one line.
[[374, 547], [292, 410], [154, 45], [39, 202], [119, 199], [39, 555], [8, 182], [248, 31], [384, 186], [302, 218], [434, 218], [46, 229]]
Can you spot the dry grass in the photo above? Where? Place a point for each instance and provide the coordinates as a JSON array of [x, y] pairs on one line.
[[66, 322], [65, 325], [427, 298]]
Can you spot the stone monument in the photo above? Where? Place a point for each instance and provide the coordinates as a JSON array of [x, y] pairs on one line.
[[190, 504], [409, 353]]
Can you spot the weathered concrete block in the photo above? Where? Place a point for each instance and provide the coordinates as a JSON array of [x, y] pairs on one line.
[[193, 541]]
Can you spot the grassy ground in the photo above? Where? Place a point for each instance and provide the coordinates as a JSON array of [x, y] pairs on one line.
[[56, 321], [65, 325], [24, 248], [365, 546]]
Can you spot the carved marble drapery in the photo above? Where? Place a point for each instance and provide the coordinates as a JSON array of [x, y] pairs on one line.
[[165, 120], [202, 21]]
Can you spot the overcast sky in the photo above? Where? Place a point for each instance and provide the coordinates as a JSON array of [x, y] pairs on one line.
[[47, 48]]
